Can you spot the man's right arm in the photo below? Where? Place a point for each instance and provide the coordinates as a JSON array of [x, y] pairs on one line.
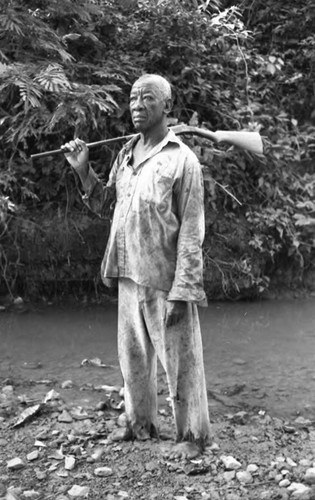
[[97, 197]]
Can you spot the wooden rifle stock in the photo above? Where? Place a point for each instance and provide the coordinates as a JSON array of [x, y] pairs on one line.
[[249, 141]]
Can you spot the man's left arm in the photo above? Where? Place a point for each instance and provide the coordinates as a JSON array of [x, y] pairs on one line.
[[189, 192]]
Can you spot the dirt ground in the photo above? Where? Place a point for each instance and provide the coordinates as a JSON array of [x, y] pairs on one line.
[[53, 445]]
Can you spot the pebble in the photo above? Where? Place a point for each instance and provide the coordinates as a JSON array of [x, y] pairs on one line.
[[67, 384], [305, 462], [15, 464], [252, 468], [230, 463], [97, 454], [65, 417], [31, 494], [52, 396], [278, 478], [291, 462], [214, 495], [298, 490], [240, 417], [285, 472], [3, 442], [214, 447], [69, 462], [40, 475], [229, 475], [310, 476], [239, 361], [79, 491], [264, 495], [232, 496], [32, 456], [301, 421], [40, 444], [103, 471], [205, 496], [244, 477], [122, 420], [284, 483], [13, 493]]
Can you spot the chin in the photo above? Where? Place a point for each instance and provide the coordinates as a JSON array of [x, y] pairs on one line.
[[139, 127]]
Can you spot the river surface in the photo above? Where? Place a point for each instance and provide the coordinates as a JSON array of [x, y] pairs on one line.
[[258, 355]]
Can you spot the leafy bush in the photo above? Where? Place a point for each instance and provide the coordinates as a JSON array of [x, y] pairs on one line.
[[65, 70]]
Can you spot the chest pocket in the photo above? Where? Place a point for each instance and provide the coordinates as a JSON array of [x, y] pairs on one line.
[[154, 186]]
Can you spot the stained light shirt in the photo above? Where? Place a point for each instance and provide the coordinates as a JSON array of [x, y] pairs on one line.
[[158, 224]]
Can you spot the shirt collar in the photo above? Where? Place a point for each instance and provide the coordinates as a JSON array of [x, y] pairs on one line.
[[170, 137]]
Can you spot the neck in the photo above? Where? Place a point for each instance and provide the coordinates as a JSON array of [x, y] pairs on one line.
[[151, 138]]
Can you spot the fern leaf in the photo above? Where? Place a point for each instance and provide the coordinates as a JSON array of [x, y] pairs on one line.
[[9, 23], [53, 79]]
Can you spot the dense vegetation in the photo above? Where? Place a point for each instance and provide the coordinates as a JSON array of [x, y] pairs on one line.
[[66, 67]]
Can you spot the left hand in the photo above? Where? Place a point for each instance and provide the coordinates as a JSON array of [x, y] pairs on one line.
[[175, 312]]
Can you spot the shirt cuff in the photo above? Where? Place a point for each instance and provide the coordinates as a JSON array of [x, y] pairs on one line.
[[188, 295]]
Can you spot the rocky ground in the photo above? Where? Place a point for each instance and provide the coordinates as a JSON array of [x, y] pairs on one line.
[[54, 445]]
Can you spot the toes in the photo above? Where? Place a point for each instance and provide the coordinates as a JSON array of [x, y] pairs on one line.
[[184, 450]]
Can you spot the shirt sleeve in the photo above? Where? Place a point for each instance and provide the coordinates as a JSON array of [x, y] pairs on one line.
[[189, 192], [100, 198]]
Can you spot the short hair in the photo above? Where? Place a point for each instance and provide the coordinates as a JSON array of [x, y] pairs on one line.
[[163, 84]]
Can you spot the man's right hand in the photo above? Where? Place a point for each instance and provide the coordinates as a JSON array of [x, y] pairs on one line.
[[77, 154]]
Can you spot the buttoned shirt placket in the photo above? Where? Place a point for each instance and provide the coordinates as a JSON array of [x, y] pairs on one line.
[[130, 179], [129, 186]]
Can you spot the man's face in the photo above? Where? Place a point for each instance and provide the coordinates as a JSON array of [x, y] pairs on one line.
[[148, 106]]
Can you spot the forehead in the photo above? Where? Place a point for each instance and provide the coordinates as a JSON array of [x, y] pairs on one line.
[[149, 86]]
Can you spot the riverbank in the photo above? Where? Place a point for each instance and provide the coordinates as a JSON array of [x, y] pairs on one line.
[[62, 451], [59, 363]]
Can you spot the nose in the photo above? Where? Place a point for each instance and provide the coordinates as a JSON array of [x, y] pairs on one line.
[[137, 103]]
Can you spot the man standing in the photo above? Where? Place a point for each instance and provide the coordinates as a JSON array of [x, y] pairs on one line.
[[154, 251]]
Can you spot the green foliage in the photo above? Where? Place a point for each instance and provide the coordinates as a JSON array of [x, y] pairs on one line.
[[66, 68]]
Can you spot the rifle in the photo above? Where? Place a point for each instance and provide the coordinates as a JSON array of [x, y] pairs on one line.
[[249, 141]]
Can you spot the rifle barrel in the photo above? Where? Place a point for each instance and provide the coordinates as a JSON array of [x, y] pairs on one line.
[[89, 145]]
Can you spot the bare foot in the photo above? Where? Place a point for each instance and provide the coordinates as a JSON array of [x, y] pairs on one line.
[[184, 450], [121, 434]]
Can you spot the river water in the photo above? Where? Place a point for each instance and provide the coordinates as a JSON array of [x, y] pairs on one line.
[[258, 355]]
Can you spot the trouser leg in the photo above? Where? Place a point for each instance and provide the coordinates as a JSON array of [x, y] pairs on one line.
[[180, 351], [138, 361]]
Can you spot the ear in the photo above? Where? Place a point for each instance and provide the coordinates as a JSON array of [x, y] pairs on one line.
[[168, 106]]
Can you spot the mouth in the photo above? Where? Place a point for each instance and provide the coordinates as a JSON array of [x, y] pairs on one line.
[[137, 118]]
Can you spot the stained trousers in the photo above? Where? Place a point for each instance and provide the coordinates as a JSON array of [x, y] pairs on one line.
[[142, 337]]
